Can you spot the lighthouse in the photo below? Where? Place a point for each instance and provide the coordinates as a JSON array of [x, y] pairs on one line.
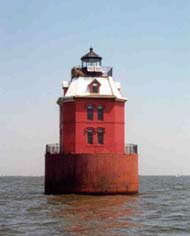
[[92, 155]]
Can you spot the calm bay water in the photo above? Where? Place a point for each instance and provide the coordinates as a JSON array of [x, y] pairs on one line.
[[161, 208]]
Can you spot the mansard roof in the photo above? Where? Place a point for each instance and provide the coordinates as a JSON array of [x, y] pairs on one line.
[[79, 87]]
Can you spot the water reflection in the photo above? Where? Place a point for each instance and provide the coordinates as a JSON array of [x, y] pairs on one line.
[[161, 208], [93, 215]]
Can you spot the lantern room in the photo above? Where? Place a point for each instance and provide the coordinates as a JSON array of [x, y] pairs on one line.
[[91, 66], [91, 59]]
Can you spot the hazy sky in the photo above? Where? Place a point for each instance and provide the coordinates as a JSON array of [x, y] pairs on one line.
[[146, 41]]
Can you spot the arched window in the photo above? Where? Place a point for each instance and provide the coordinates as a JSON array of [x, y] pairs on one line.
[[90, 135], [100, 136], [90, 111], [100, 112]]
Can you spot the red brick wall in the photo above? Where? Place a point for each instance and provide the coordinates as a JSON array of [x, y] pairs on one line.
[[67, 127], [73, 124]]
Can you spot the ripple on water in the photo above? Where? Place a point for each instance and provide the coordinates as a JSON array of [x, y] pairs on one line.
[[161, 208]]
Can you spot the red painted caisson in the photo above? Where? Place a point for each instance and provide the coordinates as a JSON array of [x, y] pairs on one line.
[[91, 156]]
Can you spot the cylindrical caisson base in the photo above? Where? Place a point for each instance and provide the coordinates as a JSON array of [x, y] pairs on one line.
[[105, 173]]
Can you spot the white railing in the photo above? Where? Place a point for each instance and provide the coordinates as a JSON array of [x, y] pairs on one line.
[[106, 70], [94, 68]]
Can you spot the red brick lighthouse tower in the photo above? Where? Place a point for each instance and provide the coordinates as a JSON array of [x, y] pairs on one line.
[[92, 156]]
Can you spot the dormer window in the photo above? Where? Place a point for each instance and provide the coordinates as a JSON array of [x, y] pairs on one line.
[[94, 86]]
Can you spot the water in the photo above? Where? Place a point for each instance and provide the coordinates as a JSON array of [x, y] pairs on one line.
[[161, 208]]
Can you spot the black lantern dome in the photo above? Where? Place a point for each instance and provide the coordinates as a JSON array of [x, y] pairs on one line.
[[91, 59]]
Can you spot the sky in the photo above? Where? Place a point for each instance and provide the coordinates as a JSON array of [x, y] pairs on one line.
[[146, 42]]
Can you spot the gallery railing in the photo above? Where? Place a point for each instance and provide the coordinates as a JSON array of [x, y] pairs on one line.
[[55, 148], [131, 148], [84, 71]]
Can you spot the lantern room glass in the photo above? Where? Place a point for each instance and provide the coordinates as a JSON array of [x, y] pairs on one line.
[[91, 62]]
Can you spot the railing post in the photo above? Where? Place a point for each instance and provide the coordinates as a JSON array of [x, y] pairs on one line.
[[53, 148]]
